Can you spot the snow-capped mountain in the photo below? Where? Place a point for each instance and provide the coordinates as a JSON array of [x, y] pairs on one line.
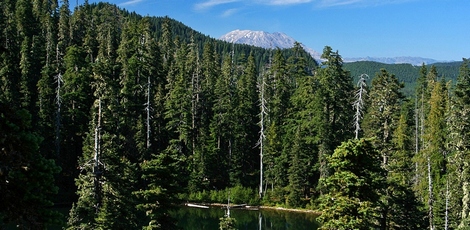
[[264, 40], [259, 38], [283, 41]]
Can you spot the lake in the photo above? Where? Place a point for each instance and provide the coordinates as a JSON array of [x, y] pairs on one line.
[[190, 218]]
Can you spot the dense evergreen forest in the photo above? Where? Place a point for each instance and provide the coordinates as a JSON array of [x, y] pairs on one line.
[[405, 73], [120, 117]]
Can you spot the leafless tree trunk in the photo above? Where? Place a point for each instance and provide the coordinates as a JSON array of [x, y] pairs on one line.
[[465, 203], [148, 112], [446, 226], [262, 136], [194, 103], [97, 169], [359, 103], [431, 197], [416, 177], [58, 114]]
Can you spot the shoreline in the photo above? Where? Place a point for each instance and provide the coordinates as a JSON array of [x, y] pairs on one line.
[[255, 207]]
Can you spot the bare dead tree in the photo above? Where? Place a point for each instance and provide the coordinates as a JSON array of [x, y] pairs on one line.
[[431, 196], [147, 110], [262, 136], [97, 165], [446, 225], [358, 104], [58, 113]]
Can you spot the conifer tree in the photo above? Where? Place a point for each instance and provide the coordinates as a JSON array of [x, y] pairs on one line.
[[392, 132], [63, 31], [336, 93], [166, 44], [10, 81], [380, 122], [76, 102], [196, 169], [50, 82], [132, 81], [222, 123], [278, 101], [30, 66], [298, 172], [434, 153], [207, 173], [383, 111], [84, 212], [421, 109], [49, 99], [83, 29], [352, 190], [458, 171], [246, 162], [26, 176], [296, 64], [303, 128], [281, 87], [406, 211], [163, 183], [178, 104]]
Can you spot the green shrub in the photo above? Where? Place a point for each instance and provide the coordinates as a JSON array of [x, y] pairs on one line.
[[218, 196], [201, 196], [276, 197], [238, 195], [241, 195]]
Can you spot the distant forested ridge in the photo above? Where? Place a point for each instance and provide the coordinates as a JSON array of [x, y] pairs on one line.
[[120, 117], [406, 73]]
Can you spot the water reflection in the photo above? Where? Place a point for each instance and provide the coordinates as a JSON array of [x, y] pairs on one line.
[[196, 218]]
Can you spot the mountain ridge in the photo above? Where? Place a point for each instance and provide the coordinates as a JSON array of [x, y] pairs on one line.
[[283, 41], [265, 40], [416, 61]]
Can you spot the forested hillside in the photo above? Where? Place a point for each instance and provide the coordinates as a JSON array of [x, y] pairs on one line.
[[119, 117], [405, 73]]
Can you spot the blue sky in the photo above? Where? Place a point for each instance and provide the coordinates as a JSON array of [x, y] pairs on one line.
[[438, 29]]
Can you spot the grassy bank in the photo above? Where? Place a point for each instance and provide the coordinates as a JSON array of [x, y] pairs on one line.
[[239, 195]]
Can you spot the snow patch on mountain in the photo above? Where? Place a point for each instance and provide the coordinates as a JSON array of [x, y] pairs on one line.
[[265, 40], [283, 41]]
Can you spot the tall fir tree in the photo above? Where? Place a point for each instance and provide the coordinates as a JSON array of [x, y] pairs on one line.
[[245, 165], [336, 93], [208, 175], [178, 104], [434, 154], [458, 170], [405, 210], [381, 119], [76, 104], [222, 135], [279, 91], [304, 128]]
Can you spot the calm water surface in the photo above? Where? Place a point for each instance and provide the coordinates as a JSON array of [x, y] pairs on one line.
[[190, 218]]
